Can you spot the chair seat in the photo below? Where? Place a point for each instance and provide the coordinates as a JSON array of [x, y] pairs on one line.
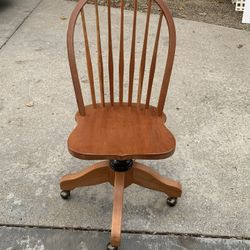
[[121, 132]]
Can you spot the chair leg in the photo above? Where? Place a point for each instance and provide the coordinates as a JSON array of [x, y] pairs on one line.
[[148, 178], [101, 173], [93, 175], [119, 183]]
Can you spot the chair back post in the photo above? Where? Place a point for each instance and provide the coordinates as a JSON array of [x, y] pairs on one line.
[[171, 53], [71, 56]]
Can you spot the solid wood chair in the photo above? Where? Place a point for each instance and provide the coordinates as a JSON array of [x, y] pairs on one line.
[[120, 132]]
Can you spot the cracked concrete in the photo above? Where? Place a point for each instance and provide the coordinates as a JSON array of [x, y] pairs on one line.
[[208, 111], [12, 14], [41, 239]]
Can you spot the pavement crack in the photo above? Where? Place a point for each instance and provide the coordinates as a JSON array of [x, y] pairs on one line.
[[19, 25], [194, 235]]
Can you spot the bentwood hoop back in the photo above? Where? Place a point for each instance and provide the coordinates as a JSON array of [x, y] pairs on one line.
[[124, 98], [121, 127]]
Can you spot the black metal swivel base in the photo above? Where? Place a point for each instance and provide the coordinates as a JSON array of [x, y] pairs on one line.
[[121, 166]]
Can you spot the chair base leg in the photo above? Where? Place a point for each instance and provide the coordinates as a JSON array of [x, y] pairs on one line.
[[119, 185], [139, 174], [93, 175]]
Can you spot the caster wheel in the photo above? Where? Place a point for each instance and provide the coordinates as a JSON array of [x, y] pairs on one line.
[[110, 247], [65, 194], [171, 201]]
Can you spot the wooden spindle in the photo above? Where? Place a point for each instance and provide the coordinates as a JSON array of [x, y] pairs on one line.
[[121, 55], [132, 57], [143, 56], [110, 56], [153, 62], [99, 54], [88, 59]]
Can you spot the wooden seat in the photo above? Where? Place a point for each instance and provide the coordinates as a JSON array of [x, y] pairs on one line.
[[120, 129], [121, 132]]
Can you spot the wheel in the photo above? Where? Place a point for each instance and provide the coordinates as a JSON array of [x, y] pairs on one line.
[[65, 194], [110, 247], [171, 201]]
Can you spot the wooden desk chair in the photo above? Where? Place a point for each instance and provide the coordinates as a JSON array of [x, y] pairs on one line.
[[119, 132]]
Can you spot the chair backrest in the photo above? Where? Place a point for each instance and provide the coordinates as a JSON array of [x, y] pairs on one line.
[[124, 98]]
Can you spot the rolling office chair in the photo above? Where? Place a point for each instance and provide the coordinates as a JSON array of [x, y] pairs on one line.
[[120, 132]]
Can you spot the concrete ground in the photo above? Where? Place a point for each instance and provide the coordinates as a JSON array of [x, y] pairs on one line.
[[208, 111], [13, 13], [42, 238], [219, 12]]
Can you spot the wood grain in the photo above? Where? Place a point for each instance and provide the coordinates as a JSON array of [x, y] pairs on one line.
[[110, 56], [88, 59], [96, 174], [168, 68], [132, 57], [153, 62], [116, 131], [171, 53], [148, 178], [121, 132], [71, 56], [121, 55], [139, 174], [99, 53], [143, 56], [117, 209]]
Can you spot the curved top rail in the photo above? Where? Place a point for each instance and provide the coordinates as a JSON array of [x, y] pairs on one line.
[[169, 62], [171, 52], [71, 56]]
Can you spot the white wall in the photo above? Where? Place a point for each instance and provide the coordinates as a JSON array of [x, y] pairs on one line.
[[246, 14]]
